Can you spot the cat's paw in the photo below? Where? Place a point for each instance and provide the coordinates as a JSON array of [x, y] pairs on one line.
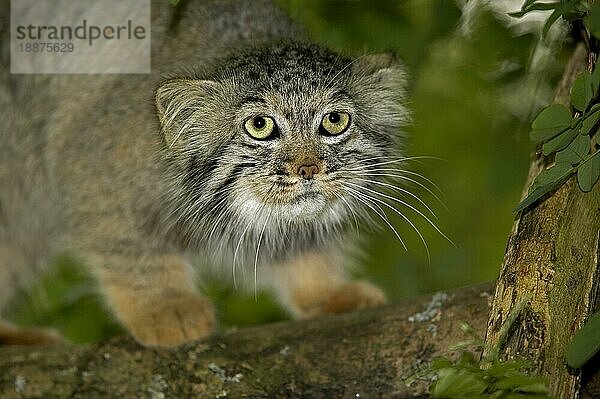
[[346, 297], [171, 321], [354, 295]]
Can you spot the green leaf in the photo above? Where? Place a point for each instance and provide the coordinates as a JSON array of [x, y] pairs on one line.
[[440, 363], [527, 3], [550, 122], [588, 172], [533, 196], [582, 91], [585, 344], [590, 119], [467, 359], [501, 368], [556, 14], [517, 395], [534, 7], [547, 180], [592, 20], [575, 152], [453, 383], [596, 79], [552, 175], [523, 383], [559, 142]]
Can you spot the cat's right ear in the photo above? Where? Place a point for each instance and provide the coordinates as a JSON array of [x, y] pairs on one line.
[[384, 69], [180, 104]]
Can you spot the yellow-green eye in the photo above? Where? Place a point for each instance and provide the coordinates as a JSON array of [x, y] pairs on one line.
[[335, 123], [260, 127]]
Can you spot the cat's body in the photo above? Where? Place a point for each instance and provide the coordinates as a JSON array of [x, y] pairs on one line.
[[139, 177]]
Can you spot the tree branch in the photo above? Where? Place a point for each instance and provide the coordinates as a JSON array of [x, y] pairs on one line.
[[365, 354]]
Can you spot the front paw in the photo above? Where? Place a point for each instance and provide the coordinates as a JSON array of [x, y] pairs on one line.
[[353, 296], [169, 322], [349, 296]]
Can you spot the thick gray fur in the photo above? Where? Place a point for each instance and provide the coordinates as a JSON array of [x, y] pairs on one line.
[[135, 172]]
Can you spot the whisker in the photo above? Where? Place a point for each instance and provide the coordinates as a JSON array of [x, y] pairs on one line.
[[332, 80], [235, 253], [400, 189], [257, 252], [404, 159], [192, 216], [415, 182], [401, 175], [405, 218], [337, 58], [340, 196], [216, 223], [179, 133], [359, 197], [408, 206]]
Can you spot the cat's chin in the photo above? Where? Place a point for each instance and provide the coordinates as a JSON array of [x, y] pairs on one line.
[[306, 206], [310, 206]]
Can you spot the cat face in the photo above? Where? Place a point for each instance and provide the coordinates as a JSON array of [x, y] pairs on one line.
[[280, 134]]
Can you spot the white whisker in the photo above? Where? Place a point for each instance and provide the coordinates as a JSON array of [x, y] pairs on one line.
[[337, 58], [235, 253], [400, 189], [216, 223], [408, 206], [405, 159], [340, 196], [257, 252], [403, 217], [332, 80], [360, 197], [404, 172], [179, 133], [415, 182]]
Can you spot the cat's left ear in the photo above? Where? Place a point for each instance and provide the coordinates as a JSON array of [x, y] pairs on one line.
[[179, 104], [384, 68]]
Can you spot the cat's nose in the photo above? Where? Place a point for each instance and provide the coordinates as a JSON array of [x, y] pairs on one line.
[[308, 171]]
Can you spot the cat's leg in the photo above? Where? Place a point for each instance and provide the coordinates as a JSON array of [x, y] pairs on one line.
[[315, 283], [154, 297]]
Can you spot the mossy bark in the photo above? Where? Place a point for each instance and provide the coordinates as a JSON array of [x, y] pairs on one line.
[[552, 258], [367, 354]]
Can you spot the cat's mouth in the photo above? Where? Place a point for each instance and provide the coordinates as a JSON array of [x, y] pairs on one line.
[[307, 195], [297, 192], [300, 199]]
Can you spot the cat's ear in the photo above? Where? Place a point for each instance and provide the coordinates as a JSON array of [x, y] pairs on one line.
[[179, 104], [384, 68]]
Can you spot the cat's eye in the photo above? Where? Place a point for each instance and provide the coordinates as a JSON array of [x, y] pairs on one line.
[[260, 127], [335, 123]]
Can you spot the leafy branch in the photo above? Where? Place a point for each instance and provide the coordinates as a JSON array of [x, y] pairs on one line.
[[569, 10], [571, 138], [570, 134]]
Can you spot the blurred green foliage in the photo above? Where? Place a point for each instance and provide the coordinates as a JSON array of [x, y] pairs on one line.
[[472, 96]]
